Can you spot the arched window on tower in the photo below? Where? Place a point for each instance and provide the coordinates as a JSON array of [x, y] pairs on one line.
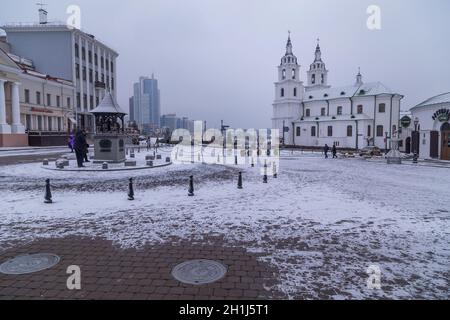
[[282, 92], [308, 112], [339, 111], [360, 109], [295, 92], [322, 78], [313, 79], [284, 74], [293, 73]]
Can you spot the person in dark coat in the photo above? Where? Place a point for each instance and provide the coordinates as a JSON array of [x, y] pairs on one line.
[[325, 150], [80, 147], [334, 151], [86, 149]]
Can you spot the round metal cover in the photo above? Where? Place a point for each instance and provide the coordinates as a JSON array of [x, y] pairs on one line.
[[199, 272], [29, 263]]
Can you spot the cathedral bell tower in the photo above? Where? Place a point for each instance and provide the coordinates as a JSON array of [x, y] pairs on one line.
[[288, 94], [317, 73]]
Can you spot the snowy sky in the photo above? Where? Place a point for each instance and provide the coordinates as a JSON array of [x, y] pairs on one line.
[[216, 59]]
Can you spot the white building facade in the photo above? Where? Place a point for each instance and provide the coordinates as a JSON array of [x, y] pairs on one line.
[[426, 129], [350, 117]]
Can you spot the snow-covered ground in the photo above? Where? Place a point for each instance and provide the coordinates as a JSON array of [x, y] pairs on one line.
[[322, 223]]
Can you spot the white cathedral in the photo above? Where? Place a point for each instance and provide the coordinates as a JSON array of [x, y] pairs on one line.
[[354, 116]]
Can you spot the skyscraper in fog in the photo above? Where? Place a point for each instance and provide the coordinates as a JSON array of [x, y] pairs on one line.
[[145, 106]]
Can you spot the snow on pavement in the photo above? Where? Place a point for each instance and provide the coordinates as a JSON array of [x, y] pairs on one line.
[[322, 223]]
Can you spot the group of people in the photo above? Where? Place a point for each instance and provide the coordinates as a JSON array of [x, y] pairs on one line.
[[78, 143], [333, 151]]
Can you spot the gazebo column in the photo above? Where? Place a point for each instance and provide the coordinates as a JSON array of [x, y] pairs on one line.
[[4, 127]]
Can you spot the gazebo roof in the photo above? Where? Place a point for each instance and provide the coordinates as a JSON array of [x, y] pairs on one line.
[[108, 105]]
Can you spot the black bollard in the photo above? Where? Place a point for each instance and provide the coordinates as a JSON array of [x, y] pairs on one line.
[[48, 192], [265, 173], [130, 190], [139, 149], [240, 181], [253, 163], [275, 174], [235, 160], [191, 186]]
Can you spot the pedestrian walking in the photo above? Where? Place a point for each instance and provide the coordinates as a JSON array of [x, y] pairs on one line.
[[334, 151], [325, 150], [86, 149], [71, 141]]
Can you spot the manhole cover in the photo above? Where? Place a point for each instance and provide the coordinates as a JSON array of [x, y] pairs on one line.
[[199, 271], [29, 263]]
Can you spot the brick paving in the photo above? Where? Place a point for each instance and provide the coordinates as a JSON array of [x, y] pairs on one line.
[[109, 272]]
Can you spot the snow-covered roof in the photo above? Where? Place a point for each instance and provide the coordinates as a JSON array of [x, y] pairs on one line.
[[441, 98], [108, 105], [356, 90]]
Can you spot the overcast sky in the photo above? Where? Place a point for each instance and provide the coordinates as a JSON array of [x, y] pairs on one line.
[[216, 59]]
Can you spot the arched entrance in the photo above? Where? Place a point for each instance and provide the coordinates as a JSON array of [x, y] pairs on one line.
[[445, 144], [408, 145]]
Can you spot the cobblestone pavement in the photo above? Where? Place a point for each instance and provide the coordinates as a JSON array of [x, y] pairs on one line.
[[108, 272]]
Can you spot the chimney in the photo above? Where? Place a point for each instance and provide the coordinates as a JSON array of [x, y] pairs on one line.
[[42, 16]]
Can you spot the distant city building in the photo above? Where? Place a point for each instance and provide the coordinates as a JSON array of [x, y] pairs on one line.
[[173, 122], [145, 107], [70, 54]]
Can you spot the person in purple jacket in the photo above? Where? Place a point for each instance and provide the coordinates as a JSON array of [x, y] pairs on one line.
[[71, 141]]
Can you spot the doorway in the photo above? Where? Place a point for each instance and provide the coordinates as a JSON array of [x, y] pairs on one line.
[[445, 138], [408, 145]]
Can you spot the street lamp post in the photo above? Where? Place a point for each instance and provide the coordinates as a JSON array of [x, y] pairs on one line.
[[416, 139]]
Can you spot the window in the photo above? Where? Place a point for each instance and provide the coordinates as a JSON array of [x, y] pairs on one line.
[[112, 83], [68, 102], [95, 59], [322, 78], [96, 75], [107, 64], [308, 112], [360, 109], [103, 77], [282, 92], [313, 131], [313, 79], [49, 121], [283, 75], [112, 66], [83, 53], [382, 108], [293, 73], [85, 102], [77, 70], [298, 131], [77, 52], [84, 73], [369, 131], [97, 101], [59, 124], [107, 82], [39, 123], [78, 100], [102, 62], [339, 111], [27, 96], [295, 92], [322, 111], [330, 131], [379, 131], [91, 101], [394, 128], [38, 97], [90, 56], [58, 101], [90, 75], [349, 131]]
